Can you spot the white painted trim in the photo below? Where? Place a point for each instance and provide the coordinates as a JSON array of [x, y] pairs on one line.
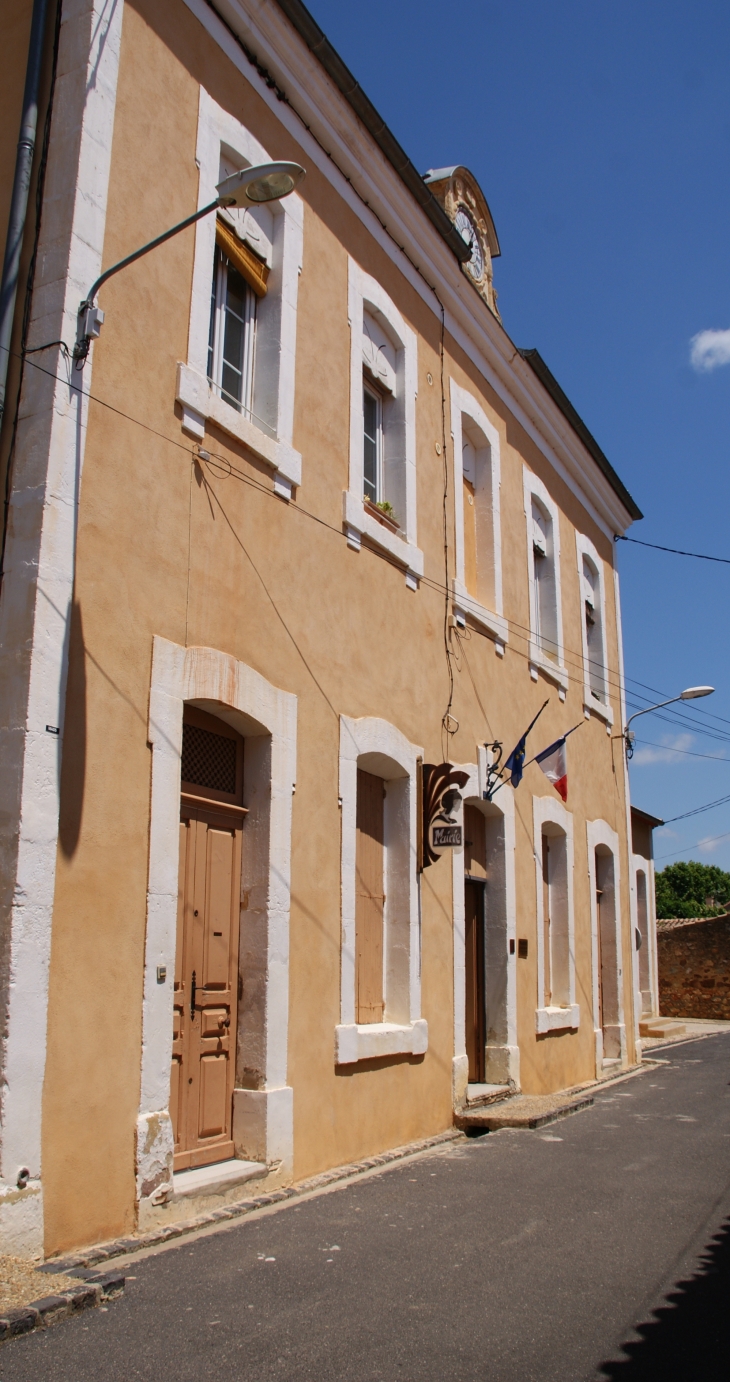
[[598, 832], [200, 404], [585, 548], [393, 219], [463, 404], [268, 718], [639, 863], [38, 586], [503, 1056], [364, 294], [548, 811], [276, 326], [375, 1039], [381, 748], [555, 672]]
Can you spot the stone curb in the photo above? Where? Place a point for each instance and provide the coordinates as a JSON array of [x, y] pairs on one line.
[[41, 1313], [118, 1247]]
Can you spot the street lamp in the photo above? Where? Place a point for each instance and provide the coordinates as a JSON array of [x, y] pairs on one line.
[[691, 694], [266, 182]]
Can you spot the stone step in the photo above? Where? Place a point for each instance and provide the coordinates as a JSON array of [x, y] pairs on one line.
[[521, 1111], [480, 1095], [661, 1027]]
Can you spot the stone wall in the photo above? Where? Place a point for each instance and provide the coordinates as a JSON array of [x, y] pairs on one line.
[[694, 967]]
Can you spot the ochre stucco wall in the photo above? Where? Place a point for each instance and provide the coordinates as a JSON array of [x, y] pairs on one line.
[[204, 558]]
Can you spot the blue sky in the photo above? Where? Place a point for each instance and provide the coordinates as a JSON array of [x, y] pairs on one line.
[[600, 134]]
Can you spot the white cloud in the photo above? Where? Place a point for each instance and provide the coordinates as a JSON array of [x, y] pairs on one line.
[[708, 846], [709, 349], [649, 754]]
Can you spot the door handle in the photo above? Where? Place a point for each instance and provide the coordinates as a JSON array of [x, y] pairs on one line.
[[192, 998], [224, 1021]]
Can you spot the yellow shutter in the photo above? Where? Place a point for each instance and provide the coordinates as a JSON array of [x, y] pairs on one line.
[[250, 267], [369, 898]]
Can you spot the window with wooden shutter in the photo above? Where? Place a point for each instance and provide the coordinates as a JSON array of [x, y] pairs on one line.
[[369, 897]]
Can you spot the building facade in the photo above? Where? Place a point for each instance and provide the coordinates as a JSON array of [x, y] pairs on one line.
[[303, 521]]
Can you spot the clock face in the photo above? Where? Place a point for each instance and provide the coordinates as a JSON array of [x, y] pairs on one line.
[[468, 232]]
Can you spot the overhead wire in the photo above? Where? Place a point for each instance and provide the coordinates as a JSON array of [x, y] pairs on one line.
[[573, 659]]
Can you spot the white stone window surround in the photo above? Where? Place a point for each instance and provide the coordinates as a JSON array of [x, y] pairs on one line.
[[464, 405], [547, 811], [503, 1055], [378, 747], [365, 296], [267, 716], [600, 833], [220, 134], [640, 864], [556, 672], [591, 702]]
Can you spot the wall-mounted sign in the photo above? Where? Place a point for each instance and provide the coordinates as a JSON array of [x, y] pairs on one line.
[[442, 810]]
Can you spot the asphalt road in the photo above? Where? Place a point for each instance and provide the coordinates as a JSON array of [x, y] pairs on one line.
[[595, 1248]]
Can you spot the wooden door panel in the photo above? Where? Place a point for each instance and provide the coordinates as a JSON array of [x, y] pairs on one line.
[[219, 897], [213, 1103], [207, 957]]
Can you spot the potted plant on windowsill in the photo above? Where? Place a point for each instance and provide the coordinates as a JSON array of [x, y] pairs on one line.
[[383, 513]]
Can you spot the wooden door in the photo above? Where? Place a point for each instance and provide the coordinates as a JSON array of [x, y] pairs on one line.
[[476, 1024], [369, 897], [206, 962], [599, 953]]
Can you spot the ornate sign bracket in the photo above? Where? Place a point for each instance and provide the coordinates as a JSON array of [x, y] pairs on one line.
[[441, 810]]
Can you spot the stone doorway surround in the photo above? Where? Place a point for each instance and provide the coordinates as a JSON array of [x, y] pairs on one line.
[[600, 833], [502, 1051], [262, 1100]]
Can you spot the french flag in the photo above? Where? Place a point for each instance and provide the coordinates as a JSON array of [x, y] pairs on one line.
[[554, 763]]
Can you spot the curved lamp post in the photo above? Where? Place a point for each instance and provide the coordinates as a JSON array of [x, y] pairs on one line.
[[691, 694], [266, 182]]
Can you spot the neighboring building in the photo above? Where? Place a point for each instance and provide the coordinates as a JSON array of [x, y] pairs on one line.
[[224, 664], [642, 835], [694, 967]]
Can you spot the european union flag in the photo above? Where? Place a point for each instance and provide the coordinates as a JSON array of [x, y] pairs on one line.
[[516, 761]]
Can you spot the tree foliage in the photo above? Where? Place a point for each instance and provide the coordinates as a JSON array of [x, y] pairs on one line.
[[692, 890]]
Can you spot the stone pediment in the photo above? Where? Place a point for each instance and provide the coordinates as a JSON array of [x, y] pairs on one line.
[[466, 206]]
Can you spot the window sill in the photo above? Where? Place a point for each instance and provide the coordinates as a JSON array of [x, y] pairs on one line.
[[200, 404], [557, 1019], [552, 670], [360, 524], [464, 603], [367, 1041], [592, 705]]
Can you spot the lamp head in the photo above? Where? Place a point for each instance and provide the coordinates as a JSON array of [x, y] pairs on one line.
[[692, 692], [267, 182]]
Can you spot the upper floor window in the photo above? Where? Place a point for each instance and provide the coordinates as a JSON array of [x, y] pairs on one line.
[[372, 471], [232, 336], [593, 607], [240, 368], [380, 500], [477, 585], [543, 555]]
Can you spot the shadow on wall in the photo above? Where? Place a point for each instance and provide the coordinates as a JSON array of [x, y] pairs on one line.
[[688, 1339], [73, 763]]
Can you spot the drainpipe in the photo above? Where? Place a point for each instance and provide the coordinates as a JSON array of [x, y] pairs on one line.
[[21, 188]]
